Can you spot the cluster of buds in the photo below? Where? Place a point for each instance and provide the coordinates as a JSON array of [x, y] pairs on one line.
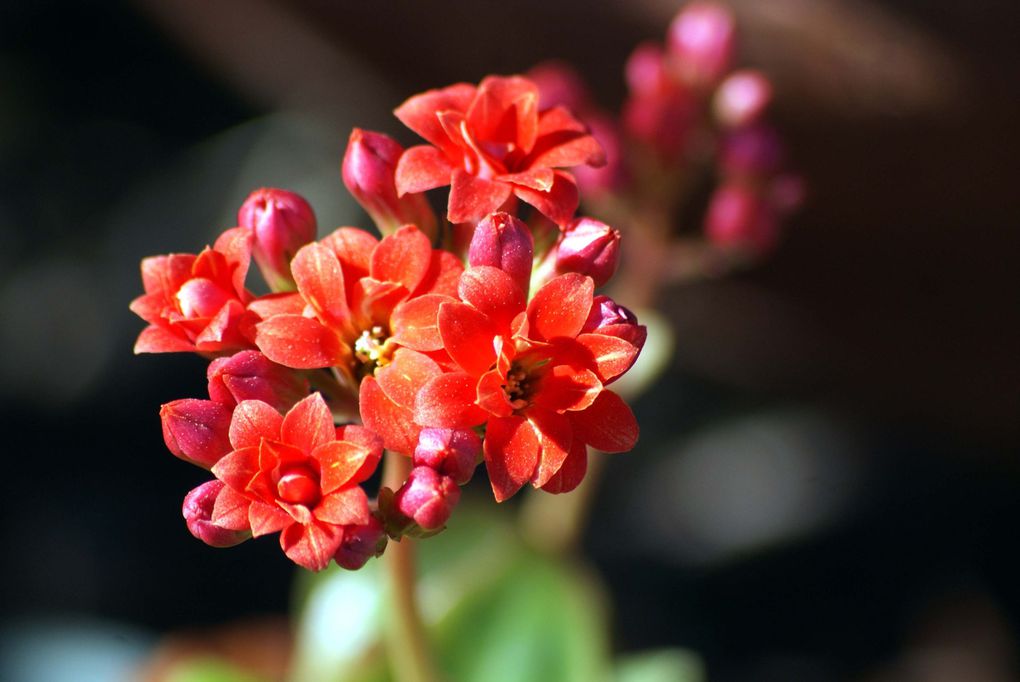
[[474, 339], [689, 113]]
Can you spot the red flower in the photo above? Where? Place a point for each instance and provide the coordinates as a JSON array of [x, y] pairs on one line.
[[197, 303], [296, 474], [531, 374], [490, 143]]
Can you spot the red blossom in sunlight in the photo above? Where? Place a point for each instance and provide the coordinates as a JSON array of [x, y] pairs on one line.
[[296, 474], [197, 303], [491, 143], [530, 374]]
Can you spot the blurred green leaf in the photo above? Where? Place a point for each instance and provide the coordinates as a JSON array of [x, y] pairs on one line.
[[498, 612], [210, 670], [664, 665]]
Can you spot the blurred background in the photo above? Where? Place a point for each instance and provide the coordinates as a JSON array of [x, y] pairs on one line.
[[827, 485]]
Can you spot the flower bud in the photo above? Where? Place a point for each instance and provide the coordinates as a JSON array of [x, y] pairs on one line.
[[559, 85], [504, 242], [612, 319], [738, 217], [249, 375], [196, 430], [594, 182], [451, 452], [360, 544], [198, 509], [428, 497], [754, 150], [702, 40], [646, 70], [280, 222], [589, 247], [368, 170], [742, 98]]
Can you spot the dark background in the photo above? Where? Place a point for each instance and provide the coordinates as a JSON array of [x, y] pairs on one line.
[[882, 335]]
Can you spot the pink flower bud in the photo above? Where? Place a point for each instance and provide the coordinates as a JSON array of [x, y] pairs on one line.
[[428, 497], [198, 509], [593, 182], [249, 375], [196, 430], [281, 222], [559, 85], [755, 150], [504, 242], [368, 170], [612, 319], [589, 247], [646, 70], [739, 217], [360, 544], [451, 452], [702, 40], [742, 98]]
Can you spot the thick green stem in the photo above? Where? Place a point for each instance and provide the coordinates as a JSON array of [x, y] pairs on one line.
[[410, 654]]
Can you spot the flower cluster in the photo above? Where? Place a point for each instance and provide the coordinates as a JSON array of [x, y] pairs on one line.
[[448, 342], [689, 116]]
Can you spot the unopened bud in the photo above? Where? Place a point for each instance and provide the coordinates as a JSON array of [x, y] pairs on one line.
[[742, 98], [198, 509], [612, 319], [589, 247], [368, 170], [754, 150], [196, 430], [451, 452], [559, 85], [737, 216], [360, 544], [281, 222], [249, 375], [702, 40], [428, 497], [504, 242], [646, 70]]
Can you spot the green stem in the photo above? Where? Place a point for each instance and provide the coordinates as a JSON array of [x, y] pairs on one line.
[[409, 649]]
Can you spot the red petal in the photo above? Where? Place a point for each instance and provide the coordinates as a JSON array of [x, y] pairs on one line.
[[196, 430], [238, 468], [419, 112], [300, 342], [490, 394], [554, 436], [448, 401], [557, 120], [393, 423], [494, 293], [558, 204], [311, 546], [235, 244], [267, 518], [338, 462], [444, 273], [561, 307], [353, 248], [344, 508], [415, 322], [166, 274], [252, 421], [562, 150], [564, 388], [468, 337], [401, 379], [420, 169], [511, 454], [373, 301], [472, 198], [403, 257], [320, 280], [277, 304], [538, 179], [309, 424], [505, 110], [155, 339], [230, 510], [149, 307], [372, 444], [613, 356], [572, 472], [608, 425]]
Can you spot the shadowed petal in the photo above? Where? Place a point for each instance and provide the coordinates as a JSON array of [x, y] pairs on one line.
[[311, 546], [608, 425], [393, 423], [511, 454], [420, 169], [448, 401]]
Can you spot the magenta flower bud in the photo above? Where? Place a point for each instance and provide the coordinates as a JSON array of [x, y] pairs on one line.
[[280, 222], [451, 452], [249, 375], [589, 247], [360, 544], [197, 511], [755, 150], [593, 182], [368, 170], [738, 217], [196, 430], [742, 98], [504, 242], [612, 319], [559, 85], [428, 497], [702, 40], [646, 70]]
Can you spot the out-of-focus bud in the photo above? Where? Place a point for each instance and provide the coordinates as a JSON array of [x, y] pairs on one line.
[[196, 430], [428, 497], [612, 319], [451, 452], [559, 85], [368, 169], [702, 41], [249, 375], [198, 509], [646, 70], [504, 242], [594, 182], [737, 216], [360, 544], [280, 222], [755, 150], [742, 98], [589, 247]]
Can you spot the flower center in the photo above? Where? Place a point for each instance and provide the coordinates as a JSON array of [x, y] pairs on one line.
[[373, 349], [518, 387], [299, 484]]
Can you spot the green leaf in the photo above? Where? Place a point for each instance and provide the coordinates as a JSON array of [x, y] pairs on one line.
[[664, 665], [209, 670]]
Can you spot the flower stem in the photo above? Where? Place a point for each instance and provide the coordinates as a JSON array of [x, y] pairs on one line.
[[410, 655]]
